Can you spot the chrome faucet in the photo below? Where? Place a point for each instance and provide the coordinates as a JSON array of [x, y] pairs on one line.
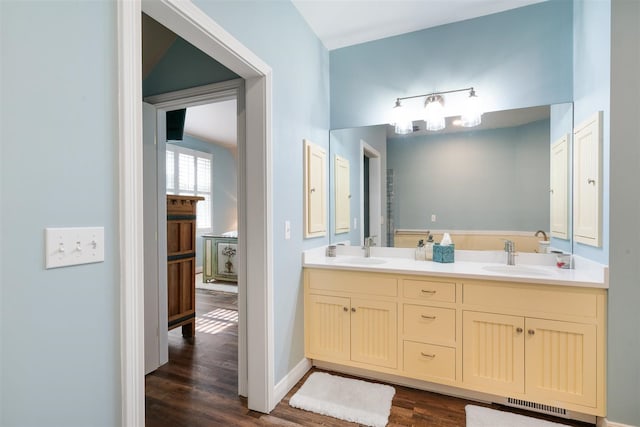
[[510, 249], [544, 235], [368, 242]]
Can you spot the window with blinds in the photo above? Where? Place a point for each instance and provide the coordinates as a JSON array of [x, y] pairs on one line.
[[189, 174]]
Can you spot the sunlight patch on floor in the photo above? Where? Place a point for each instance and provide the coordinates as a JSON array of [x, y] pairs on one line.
[[216, 321]]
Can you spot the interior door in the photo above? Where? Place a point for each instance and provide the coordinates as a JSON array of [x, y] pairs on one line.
[[156, 350]]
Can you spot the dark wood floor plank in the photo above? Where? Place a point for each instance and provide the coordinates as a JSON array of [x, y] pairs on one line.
[[199, 388]]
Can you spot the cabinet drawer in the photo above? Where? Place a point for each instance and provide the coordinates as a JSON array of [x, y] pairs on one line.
[[566, 301], [431, 324], [347, 281], [426, 360], [428, 290]]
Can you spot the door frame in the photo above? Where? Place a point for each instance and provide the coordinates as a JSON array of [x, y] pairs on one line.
[[254, 195]]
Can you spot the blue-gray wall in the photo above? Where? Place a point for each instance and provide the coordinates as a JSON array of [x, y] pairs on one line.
[[518, 58], [60, 361], [224, 191], [496, 179]]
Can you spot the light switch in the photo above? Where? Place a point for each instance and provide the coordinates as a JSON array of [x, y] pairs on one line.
[[287, 230], [73, 246], [433, 217]]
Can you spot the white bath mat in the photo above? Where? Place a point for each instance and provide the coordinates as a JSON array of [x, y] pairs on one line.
[[484, 417], [344, 398]]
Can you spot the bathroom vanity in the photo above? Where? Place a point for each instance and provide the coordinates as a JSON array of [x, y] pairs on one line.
[[532, 336]]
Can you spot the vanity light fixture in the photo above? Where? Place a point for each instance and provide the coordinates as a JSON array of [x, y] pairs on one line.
[[434, 112]]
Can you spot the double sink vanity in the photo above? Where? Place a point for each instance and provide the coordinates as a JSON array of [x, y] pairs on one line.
[[530, 335]]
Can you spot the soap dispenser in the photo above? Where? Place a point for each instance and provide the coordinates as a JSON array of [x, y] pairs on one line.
[[428, 250], [420, 251]]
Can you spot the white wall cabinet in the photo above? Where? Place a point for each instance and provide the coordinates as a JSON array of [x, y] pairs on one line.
[[315, 195], [342, 193], [559, 191], [587, 181]]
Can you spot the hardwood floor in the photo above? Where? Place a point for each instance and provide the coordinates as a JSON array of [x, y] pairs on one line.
[[198, 387]]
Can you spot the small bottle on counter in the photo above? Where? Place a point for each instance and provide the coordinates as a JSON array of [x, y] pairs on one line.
[[429, 248], [420, 251]]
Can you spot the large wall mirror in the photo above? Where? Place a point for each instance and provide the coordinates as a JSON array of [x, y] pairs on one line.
[[504, 179]]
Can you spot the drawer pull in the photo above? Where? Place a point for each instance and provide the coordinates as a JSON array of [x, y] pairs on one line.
[[353, 309], [426, 291], [531, 332], [519, 330], [345, 309], [428, 317], [430, 356]]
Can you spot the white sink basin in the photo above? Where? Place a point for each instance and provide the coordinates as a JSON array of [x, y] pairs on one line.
[[359, 260], [517, 270]]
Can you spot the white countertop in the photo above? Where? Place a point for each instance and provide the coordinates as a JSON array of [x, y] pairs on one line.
[[479, 265]]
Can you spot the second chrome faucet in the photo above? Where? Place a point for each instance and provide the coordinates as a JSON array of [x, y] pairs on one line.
[[368, 242]]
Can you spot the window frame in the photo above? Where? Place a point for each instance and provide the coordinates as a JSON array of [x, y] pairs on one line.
[[176, 149]]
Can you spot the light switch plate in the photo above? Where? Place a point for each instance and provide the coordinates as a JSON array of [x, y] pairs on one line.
[[287, 230], [73, 246]]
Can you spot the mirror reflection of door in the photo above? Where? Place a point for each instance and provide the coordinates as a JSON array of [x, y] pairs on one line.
[[365, 195]]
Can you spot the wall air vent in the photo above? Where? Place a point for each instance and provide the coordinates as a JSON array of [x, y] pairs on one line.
[[532, 406]]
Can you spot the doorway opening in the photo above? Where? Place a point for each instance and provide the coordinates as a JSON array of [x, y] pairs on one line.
[[199, 159]]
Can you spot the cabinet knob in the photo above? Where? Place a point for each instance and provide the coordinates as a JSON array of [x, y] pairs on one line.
[[424, 316], [430, 356], [519, 330], [345, 309], [531, 332], [353, 309]]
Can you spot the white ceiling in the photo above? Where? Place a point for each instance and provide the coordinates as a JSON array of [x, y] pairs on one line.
[[340, 23], [214, 123]]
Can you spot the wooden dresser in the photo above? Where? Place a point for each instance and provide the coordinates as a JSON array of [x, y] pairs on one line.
[[181, 262]]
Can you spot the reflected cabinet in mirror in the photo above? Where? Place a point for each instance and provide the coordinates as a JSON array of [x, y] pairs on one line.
[[508, 178]]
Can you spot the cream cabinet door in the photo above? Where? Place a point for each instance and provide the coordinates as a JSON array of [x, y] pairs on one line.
[[561, 361], [559, 191], [342, 195], [493, 352], [315, 199], [587, 181], [328, 327], [374, 329]]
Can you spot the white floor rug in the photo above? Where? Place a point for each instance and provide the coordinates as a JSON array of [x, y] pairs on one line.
[[484, 417], [344, 398]]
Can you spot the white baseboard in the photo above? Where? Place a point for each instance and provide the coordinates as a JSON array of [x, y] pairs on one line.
[[282, 388]]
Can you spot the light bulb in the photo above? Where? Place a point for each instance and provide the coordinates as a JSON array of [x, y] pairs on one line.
[[472, 113], [403, 125], [434, 112]]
